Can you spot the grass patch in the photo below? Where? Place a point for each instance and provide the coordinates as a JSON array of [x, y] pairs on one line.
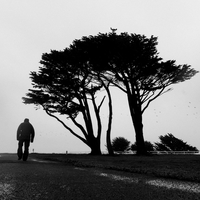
[[181, 167]]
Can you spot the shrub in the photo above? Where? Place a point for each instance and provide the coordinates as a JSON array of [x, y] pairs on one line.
[[120, 144], [148, 145], [169, 142]]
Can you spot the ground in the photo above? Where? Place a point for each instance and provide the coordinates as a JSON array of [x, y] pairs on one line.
[[82, 177]]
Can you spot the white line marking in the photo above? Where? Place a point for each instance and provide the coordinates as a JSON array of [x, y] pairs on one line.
[[184, 186]]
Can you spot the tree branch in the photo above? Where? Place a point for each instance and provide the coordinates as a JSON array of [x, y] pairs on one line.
[[98, 109], [79, 126], [150, 100], [67, 127]]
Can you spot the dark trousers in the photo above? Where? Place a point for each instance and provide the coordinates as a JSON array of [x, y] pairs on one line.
[[20, 152]]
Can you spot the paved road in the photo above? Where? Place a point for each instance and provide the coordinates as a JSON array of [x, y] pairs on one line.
[[40, 180]]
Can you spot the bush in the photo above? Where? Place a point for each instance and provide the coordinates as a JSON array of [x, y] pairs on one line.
[[169, 142], [148, 145], [120, 144]]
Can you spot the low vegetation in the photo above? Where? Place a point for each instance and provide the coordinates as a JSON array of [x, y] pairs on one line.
[[168, 143], [180, 167], [120, 144]]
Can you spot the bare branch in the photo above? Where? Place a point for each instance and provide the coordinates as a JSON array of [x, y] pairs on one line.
[[79, 126], [101, 104], [147, 97], [150, 100], [67, 127]]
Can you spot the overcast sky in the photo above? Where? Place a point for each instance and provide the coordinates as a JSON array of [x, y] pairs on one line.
[[31, 28]]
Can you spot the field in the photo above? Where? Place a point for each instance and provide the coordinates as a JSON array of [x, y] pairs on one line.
[[180, 167]]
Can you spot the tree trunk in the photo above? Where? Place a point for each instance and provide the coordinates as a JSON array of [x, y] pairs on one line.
[[108, 134], [95, 146], [109, 145], [141, 150], [136, 115]]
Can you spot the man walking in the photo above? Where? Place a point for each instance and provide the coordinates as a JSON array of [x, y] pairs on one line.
[[25, 135]]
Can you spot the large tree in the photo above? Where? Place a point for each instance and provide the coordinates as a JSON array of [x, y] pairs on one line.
[[131, 62], [63, 85]]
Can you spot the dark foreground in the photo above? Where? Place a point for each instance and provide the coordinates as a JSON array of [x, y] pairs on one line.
[[44, 179], [180, 167]]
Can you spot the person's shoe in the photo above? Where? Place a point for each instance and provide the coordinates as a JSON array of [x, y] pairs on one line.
[[19, 158], [24, 159]]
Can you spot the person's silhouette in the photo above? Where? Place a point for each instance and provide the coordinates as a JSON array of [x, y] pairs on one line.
[[25, 135]]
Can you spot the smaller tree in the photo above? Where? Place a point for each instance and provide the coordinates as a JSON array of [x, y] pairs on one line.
[[120, 144], [169, 142], [148, 145]]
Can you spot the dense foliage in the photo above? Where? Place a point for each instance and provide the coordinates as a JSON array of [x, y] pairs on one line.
[[148, 145], [169, 142], [120, 144]]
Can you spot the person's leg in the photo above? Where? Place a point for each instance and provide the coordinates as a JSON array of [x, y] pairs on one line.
[[19, 150], [26, 150]]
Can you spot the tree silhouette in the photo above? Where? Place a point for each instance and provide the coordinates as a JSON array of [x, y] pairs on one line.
[[127, 61], [169, 142], [131, 63], [81, 50], [64, 86]]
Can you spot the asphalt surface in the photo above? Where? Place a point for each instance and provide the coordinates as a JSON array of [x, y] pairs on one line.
[[36, 179]]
